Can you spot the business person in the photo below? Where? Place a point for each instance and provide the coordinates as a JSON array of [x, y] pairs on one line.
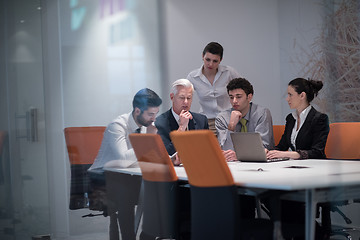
[[179, 117], [244, 115], [305, 135], [116, 150], [306, 129], [210, 82]]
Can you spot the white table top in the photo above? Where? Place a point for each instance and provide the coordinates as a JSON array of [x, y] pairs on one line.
[[297, 174], [286, 175]]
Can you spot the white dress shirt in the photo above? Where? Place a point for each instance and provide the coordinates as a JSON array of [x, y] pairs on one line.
[[177, 117], [295, 132], [116, 144], [213, 98]]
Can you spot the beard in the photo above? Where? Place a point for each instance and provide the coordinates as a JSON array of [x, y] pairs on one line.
[[142, 121]]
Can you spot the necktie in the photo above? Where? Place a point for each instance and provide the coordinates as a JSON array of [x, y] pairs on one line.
[[137, 130], [243, 122]]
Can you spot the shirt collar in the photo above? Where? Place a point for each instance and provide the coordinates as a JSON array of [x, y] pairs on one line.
[[221, 69], [132, 124], [177, 117], [303, 114]]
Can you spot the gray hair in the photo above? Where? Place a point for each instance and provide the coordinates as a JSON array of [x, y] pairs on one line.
[[181, 83]]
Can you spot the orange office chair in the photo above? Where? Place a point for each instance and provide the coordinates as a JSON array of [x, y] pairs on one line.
[[342, 143], [214, 197], [160, 214], [278, 132], [83, 144]]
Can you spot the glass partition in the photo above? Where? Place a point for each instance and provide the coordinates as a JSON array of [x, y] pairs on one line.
[[24, 199]]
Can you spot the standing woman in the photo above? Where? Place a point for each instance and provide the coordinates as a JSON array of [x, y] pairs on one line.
[[210, 82], [306, 129]]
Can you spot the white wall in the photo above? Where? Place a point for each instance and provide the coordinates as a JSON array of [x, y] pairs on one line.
[[262, 40], [248, 31], [109, 51], [258, 37], [300, 23]]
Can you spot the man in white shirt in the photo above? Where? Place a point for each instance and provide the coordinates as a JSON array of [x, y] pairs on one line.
[[116, 150], [116, 144]]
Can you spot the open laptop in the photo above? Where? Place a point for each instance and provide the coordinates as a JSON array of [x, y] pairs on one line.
[[248, 147]]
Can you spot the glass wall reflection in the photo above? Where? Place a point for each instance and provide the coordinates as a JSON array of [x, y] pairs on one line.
[[24, 201]]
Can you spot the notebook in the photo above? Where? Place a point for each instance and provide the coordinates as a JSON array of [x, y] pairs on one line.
[[248, 147]]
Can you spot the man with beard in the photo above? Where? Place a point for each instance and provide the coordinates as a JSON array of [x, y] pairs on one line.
[[116, 151]]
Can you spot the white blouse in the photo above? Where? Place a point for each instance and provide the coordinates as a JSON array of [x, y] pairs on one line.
[[302, 116]]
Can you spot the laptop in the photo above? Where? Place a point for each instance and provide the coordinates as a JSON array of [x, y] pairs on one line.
[[248, 147]]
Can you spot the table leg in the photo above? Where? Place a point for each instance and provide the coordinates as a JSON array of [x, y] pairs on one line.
[[114, 227], [310, 209], [275, 204], [139, 208]]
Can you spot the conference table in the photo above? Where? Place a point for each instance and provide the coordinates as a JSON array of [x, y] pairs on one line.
[[310, 181]]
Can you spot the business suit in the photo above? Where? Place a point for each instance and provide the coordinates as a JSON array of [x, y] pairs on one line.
[[310, 143], [165, 123], [311, 139]]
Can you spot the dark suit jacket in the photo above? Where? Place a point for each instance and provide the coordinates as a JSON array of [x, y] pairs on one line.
[[166, 123], [311, 139]]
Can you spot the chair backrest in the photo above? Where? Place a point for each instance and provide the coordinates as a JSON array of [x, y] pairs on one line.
[[343, 141], [214, 201], [202, 158], [160, 217], [83, 143], [153, 158], [278, 131]]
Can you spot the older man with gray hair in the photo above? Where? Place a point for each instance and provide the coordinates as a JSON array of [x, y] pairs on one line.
[[179, 116]]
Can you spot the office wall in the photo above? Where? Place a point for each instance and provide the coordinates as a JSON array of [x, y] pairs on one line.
[[261, 40], [109, 51], [300, 24], [248, 31]]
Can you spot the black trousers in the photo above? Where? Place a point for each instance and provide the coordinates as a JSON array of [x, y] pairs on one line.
[[122, 191]]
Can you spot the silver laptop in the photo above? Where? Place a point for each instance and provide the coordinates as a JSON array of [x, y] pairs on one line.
[[248, 147]]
